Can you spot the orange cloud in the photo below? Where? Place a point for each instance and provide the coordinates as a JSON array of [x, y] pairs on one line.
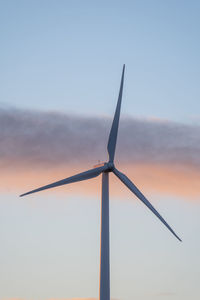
[[181, 181]]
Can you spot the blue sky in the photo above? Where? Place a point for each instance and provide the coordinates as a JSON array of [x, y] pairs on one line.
[[67, 56]]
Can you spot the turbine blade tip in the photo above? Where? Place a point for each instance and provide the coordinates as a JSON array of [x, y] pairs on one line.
[[178, 238], [22, 195]]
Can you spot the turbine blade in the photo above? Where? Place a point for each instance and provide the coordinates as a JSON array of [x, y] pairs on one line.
[[115, 124], [78, 177], [137, 192]]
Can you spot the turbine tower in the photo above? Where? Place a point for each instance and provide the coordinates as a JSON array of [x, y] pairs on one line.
[[105, 169]]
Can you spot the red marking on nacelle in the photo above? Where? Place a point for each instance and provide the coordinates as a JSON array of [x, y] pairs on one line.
[[99, 165]]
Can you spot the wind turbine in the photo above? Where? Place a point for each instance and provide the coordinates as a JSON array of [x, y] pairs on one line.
[[105, 169]]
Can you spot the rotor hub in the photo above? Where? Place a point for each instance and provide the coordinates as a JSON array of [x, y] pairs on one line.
[[110, 166]]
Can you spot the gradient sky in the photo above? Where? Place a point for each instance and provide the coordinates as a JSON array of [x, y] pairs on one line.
[[66, 57]]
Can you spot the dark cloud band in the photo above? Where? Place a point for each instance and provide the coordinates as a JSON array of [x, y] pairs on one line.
[[51, 138]]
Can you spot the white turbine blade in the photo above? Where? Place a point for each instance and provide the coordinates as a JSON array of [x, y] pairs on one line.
[[137, 192], [78, 177], [115, 124]]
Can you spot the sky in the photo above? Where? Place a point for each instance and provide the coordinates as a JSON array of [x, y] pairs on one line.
[[60, 68]]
